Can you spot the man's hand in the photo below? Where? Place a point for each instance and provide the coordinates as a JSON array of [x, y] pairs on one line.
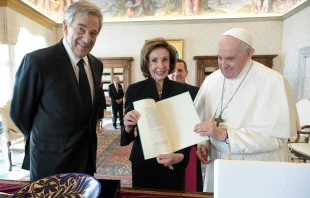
[[119, 101], [202, 154]]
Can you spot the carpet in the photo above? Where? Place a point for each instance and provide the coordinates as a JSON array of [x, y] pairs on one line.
[[112, 159]]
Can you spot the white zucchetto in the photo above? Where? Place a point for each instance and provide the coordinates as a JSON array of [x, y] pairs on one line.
[[241, 34]]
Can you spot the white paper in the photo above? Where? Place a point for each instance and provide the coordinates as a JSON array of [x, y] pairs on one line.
[[167, 126]]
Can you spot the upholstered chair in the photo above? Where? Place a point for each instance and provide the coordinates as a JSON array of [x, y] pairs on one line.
[[300, 145], [14, 138]]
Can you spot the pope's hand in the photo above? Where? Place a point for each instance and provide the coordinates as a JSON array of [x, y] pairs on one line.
[[210, 129], [202, 154]]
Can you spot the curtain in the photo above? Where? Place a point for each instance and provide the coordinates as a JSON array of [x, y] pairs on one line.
[[9, 27], [11, 56], [11, 21]]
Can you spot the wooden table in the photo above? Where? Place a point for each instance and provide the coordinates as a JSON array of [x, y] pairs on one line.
[[14, 185]]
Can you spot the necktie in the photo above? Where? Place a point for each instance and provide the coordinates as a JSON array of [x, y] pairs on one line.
[[84, 87], [116, 87]]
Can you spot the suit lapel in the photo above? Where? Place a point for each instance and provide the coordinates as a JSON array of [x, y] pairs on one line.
[[66, 71], [151, 89]]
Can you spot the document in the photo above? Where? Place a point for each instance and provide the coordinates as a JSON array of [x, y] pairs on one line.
[[167, 126]]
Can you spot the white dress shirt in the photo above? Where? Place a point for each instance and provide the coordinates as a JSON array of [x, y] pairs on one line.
[[74, 60]]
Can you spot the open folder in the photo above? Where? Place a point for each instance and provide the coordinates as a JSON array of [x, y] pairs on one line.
[[167, 126]]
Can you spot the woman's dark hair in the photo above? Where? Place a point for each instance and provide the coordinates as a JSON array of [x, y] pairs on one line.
[[148, 47]]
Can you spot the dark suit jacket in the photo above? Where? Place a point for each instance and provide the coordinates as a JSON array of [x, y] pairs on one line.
[[157, 175], [48, 109], [115, 95], [103, 105], [192, 90]]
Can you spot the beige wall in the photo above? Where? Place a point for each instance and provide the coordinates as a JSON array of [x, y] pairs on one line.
[[284, 38], [296, 36], [199, 39], [120, 39]]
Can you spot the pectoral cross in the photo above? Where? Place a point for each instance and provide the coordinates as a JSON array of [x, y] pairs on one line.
[[219, 120]]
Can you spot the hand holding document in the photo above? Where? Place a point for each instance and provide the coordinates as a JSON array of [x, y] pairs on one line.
[[167, 126]]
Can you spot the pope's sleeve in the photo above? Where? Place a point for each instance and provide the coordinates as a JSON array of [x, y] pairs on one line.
[[243, 141], [294, 119], [280, 122], [200, 105]]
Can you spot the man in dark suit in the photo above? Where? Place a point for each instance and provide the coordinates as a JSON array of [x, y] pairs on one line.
[[116, 94], [56, 98], [180, 73]]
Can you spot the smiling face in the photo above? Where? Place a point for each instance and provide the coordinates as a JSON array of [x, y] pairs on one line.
[[232, 57], [159, 61], [179, 73], [81, 35]]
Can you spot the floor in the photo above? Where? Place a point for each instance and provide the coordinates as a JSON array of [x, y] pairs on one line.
[[17, 173]]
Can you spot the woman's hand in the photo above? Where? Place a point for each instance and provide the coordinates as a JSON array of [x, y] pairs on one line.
[[209, 129], [130, 120], [169, 159], [202, 154]]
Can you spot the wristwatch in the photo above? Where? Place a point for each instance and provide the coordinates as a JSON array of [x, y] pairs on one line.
[[227, 139]]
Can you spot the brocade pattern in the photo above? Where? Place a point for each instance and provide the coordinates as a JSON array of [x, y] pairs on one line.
[[71, 185]]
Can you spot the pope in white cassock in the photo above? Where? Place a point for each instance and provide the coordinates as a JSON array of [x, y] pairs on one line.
[[246, 108]]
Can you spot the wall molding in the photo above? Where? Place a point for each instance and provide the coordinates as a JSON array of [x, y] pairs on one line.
[[191, 21], [44, 20], [296, 10], [29, 12], [303, 54]]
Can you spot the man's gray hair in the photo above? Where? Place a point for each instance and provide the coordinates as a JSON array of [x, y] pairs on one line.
[[85, 8]]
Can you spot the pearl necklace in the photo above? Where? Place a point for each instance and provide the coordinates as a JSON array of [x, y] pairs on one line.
[[159, 93]]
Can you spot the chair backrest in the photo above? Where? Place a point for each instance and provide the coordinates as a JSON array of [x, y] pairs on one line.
[[8, 124], [303, 109]]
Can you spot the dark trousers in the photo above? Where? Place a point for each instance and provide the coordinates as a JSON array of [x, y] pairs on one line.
[[117, 109]]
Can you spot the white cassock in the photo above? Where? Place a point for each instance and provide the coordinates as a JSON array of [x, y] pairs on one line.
[[259, 119]]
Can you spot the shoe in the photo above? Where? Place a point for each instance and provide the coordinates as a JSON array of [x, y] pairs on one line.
[[114, 127]]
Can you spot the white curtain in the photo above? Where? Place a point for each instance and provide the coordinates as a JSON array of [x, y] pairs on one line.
[[18, 36], [11, 21], [11, 56], [8, 26]]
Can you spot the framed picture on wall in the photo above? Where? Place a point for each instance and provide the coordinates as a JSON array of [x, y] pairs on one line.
[[177, 44]]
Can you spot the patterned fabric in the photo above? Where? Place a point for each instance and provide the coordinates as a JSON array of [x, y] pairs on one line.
[[62, 185]]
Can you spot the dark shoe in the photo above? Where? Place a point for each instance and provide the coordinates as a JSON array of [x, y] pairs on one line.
[[114, 127]]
